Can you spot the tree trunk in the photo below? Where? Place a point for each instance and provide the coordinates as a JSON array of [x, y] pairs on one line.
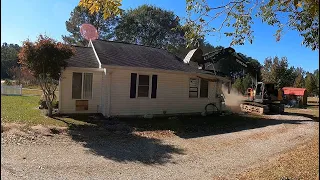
[[49, 109]]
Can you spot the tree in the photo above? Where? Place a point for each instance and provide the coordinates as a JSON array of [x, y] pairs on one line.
[[298, 15], [238, 85], [246, 82], [311, 84], [299, 80], [9, 58], [22, 75], [316, 78], [276, 71], [81, 15], [45, 58], [150, 26]]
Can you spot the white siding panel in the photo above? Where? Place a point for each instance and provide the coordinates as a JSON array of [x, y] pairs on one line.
[[68, 104], [172, 95]]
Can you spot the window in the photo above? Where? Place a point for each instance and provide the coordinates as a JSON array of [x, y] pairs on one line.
[[82, 85], [141, 83], [87, 86], [143, 86], [195, 87], [76, 85], [204, 88]]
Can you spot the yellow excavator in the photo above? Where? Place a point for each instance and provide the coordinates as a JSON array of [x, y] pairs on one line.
[[262, 99]]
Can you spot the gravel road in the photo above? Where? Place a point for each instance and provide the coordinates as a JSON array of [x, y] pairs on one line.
[[132, 156]]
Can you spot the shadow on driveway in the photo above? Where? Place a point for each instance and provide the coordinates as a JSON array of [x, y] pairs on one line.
[[195, 126], [114, 140]]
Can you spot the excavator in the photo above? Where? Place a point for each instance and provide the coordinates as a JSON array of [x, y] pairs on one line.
[[262, 98]]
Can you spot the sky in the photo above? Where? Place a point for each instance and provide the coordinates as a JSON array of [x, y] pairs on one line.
[[23, 19]]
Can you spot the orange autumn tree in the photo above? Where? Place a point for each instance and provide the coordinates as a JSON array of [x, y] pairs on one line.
[[45, 58]]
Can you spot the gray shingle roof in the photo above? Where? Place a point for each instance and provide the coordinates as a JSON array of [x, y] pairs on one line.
[[124, 54], [84, 57]]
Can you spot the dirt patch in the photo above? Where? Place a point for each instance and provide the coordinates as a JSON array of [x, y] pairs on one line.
[[155, 134], [8, 126]]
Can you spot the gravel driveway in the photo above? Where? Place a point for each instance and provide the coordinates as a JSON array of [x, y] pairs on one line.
[[134, 156]]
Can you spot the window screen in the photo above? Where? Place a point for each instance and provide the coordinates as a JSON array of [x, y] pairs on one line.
[[193, 87], [87, 86], [204, 88], [143, 86], [76, 85]]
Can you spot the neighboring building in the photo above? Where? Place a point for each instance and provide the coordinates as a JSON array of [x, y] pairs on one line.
[[120, 79], [298, 94]]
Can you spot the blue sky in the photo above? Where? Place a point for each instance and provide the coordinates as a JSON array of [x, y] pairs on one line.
[[22, 19]]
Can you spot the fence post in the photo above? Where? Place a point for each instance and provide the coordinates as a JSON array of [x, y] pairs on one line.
[[20, 89]]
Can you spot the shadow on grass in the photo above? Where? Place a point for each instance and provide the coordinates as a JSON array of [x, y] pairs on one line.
[[195, 126], [114, 140]]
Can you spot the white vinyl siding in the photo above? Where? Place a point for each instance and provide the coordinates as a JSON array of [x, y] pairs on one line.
[[67, 103], [172, 95], [110, 93]]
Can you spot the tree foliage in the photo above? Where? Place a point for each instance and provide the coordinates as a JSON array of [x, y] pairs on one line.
[[246, 82], [22, 75], [81, 15], [151, 26], [45, 58], [299, 15], [276, 71], [310, 84], [237, 85], [9, 58], [299, 80], [110, 8]]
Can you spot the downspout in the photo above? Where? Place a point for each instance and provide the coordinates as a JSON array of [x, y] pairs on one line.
[[60, 93], [109, 94], [103, 90]]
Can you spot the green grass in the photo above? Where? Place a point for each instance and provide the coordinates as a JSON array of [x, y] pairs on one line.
[[24, 109], [35, 92]]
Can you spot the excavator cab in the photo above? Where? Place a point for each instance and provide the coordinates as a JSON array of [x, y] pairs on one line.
[[265, 92]]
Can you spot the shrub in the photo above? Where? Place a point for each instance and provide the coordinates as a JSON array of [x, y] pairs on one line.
[[8, 82]]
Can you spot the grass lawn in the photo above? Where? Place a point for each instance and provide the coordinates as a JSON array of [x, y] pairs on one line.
[[35, 92], [24, 109]]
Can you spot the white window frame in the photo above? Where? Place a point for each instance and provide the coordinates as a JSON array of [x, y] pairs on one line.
[[199, 86], [82, 90], [149, 90]]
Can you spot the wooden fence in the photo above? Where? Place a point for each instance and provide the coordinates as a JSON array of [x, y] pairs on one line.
[[313, 100], [11, 90]]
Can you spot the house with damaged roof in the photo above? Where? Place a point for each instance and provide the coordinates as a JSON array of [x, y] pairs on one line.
[[121, 79]]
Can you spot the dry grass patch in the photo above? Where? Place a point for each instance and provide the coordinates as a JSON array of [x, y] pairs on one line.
[[299, 163]]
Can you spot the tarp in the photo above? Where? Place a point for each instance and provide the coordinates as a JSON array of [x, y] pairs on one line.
[[294, 91]]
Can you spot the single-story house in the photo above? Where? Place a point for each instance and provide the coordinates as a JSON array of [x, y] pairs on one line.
[[121, 79]]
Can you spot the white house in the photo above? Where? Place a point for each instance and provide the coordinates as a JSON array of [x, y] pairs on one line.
[[120, 79]]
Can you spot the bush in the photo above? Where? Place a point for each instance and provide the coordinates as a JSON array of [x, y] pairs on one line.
[[43, 104], [8, 82]]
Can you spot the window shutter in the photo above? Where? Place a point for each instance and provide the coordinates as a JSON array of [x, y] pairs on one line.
[[133, 85], [154, 86]]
